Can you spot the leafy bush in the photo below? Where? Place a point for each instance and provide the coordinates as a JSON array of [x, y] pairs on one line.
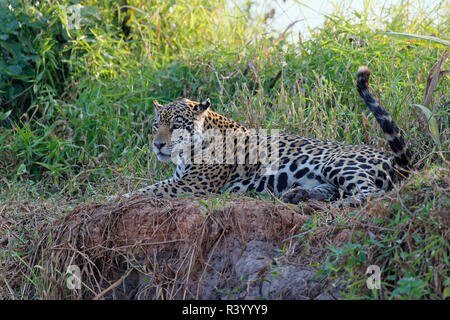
[[35, 51], [27, 55]]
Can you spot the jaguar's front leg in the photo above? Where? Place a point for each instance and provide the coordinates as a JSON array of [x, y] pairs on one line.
[[171, 189], [196, 182]]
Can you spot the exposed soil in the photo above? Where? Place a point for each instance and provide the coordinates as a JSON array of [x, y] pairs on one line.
[[147, 248]]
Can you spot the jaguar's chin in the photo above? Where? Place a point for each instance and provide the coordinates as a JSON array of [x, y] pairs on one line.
[[163, 157]]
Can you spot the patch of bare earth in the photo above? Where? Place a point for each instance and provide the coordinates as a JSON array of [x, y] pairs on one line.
[[147, 248]]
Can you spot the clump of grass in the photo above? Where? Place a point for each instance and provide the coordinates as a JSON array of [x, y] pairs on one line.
[[406, 235]]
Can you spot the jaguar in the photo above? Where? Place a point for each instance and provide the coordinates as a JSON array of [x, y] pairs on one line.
[[303, 168]]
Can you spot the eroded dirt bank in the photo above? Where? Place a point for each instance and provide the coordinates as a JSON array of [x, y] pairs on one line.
[[146, 248]]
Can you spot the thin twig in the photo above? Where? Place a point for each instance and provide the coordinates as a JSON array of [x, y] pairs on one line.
[[114, 285]]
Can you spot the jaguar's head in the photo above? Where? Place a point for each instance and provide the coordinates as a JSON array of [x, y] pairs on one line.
[[174, 121]]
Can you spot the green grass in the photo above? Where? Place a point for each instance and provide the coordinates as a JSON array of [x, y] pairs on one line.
[[82, 133], [406, 235]]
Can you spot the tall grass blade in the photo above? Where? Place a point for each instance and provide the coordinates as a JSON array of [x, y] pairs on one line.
[[419, 39]]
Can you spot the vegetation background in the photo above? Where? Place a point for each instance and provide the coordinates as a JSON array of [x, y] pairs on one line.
[[76, 101]]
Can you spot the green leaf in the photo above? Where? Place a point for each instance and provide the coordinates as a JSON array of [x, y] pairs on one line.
[[13, 25], [21, 169], [446, 293], [14, 70], [431, 122], [5, 115]]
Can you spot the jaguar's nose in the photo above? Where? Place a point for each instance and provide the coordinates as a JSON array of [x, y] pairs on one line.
[[159, 145]]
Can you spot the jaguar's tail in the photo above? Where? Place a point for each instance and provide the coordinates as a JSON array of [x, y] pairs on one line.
[[402, 155]]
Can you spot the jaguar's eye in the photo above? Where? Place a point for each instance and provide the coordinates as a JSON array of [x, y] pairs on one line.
[[176, 126]]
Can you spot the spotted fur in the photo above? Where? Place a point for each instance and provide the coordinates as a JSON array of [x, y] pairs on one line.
[[307, 168]]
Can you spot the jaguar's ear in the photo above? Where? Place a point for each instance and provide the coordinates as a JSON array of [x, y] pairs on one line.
[[203, 106], [189, 102], [157, 106]]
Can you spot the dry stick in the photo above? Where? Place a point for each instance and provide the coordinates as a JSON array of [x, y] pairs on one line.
[[142, 244], [299, 235], [281, 36], [173, 293], [114, 285], [209, 259], [433, 78], [11, 292], [193, 257], [442, 156], [364, 126], [186, 256]]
